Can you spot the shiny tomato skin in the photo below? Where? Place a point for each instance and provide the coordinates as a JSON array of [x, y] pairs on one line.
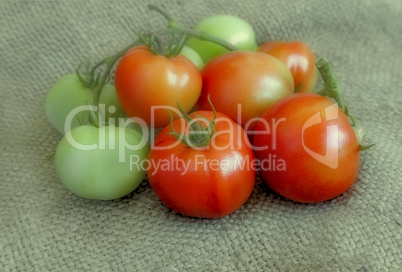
[[144, 80], [203, 191], [254, 80], [307, 179], [299, 59]]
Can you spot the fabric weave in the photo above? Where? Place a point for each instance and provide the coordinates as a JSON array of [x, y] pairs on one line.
[[44, 227]]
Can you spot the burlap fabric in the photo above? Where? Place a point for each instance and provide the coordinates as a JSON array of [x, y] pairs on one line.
[[44, 227]]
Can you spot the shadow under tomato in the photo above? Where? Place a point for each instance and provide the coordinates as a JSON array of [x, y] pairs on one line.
[[263, 188]]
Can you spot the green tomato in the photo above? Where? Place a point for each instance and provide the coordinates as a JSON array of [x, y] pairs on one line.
[[69, 93], [193, 56], [95, 162], [227, 27]]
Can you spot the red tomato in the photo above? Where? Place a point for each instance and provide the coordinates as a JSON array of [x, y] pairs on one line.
[[253, 80], [300, 60], [205, 182], [144, 80], [313, 152]]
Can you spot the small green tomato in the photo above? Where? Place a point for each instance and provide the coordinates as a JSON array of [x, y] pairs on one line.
[[101, 163], [193, 56], [230, 28], [69, 93]]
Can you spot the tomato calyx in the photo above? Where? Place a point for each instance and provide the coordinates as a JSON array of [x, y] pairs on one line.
[[93, 119], [201, 35], [154, 45], [199, 135], [331, 90]]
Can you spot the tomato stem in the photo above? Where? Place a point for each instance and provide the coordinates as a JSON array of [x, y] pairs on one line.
[[331, 86], [110, 61], [97, 82], [93, 118], [201, 35], [207, 37], [199, 136], [169, 18], [331, 89]]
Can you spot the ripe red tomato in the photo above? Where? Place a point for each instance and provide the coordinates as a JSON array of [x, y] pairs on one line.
[[144, 79], [252, 79], [204, 182], [313, 152], [300, 60]]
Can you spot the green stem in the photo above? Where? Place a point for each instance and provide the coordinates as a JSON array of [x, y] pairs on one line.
[[163, 13], [93, 118], [331, 87], [201, 35], [204, 36], [109, 61], [92, 73]]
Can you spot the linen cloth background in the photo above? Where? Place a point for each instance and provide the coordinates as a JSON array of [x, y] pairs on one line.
[[44, 227]]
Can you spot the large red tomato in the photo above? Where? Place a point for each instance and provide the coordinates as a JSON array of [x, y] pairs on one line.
[[144, 80], [307, 149], [253, 80], [300, 60], [210, 181]]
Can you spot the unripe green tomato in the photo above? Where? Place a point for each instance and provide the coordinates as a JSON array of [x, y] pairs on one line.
[[103, 170], [193, 56], [69, 93], [229, 28]]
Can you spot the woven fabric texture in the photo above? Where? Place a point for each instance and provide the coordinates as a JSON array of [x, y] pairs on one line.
[[44, 227]]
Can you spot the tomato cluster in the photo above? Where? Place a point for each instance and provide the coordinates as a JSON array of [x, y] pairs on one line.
[[226, 109]]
